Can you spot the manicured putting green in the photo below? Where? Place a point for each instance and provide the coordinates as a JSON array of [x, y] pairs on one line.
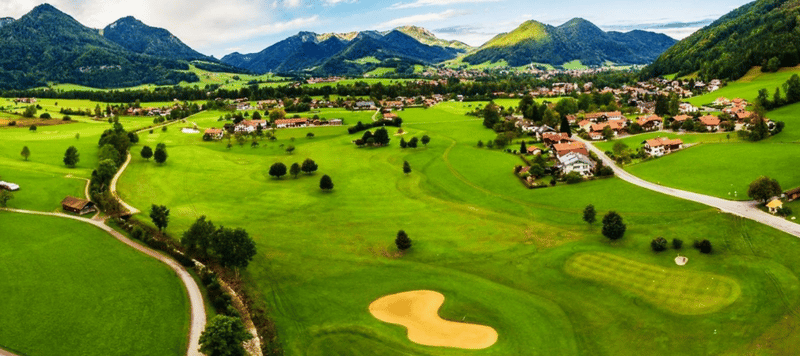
[[681, 292]]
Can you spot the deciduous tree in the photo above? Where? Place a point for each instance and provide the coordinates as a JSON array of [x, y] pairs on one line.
[[309, 166], [277, 170], [406, 167], [159, 214], [71, 157], [160, 155], [325, 183], [589, 214], [613, 226], [25, 152], [197, 239], [224, 336], [764, 188], [294, 169], [147, 152]]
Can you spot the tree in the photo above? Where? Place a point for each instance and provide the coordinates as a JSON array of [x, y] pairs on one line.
[[147, 152], [224, 336], [32, 128], [5, 196], [565, 126], [197, 239], [677, 244], [71, 157], [233, 247], [381, 136], [425, 139], [522, 148], [589, 214], [160, 155], [294, 169], [619, 148], [613, 227], [480, 144], [309, 166], [402, 241], [658, 244], [277, 170], [25, 152], [159, 214], [325, 183], [406, 167], [106, 170], [412, 143], [608, 133], [764, 188], [491, 115], [573, 178], [403, 143], [277, 114], [289, 149], [704, 246], [108, 151]]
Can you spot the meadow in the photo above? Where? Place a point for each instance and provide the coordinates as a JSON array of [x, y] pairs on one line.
[[71, 289], [502, 255]]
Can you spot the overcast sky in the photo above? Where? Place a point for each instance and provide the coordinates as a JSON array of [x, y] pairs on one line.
[[217, 28]]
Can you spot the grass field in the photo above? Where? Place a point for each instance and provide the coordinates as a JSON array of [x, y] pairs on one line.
[[71, 289], [576, 64], [497, 251], [748, 86]]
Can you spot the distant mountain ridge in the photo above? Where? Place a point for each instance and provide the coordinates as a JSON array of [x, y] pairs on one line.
[[5, 21], [755, 34], [135, 36], [344, 53], [424, 36], [47, 45], [577, 39]]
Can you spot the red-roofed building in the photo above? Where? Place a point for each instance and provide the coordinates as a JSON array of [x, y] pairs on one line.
[[215, 134], [660, 146], [284, 123], [564, 148], [711, 122], [651, 122], [552, 138]]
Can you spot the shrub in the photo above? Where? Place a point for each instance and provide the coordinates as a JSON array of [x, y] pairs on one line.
[[785, 211], [163, 128], [138, 233], [704, 246], [659, 244], [402, 241], [66, 118], [32, 128], [573, 177], [12, 123], [677, 244], [45, 116]]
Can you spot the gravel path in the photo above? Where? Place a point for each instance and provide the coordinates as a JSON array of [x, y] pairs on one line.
[[747, 210], [198, 312], [113, 188]]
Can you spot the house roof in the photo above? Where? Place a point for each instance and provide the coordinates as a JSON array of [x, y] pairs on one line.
[[663, 141], [75, 203], [556, 136], [710, 120], [563, 148], [213, 131], [615, 125], [290, 121], [571, 158], [793, 191], [681, 118], [652, 118], [777, 203]]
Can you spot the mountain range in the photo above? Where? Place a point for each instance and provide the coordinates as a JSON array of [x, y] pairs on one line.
[[577, 39], [762, 33]]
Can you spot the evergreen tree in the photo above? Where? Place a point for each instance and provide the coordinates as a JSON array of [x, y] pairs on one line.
[[522, 148], [589, 214], [406, 167], [565, 126], [403, 143], [71, 157], [402, 241]]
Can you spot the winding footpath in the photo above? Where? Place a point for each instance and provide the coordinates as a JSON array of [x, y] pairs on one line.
[[747, 209], [198, 312], [131, 210]]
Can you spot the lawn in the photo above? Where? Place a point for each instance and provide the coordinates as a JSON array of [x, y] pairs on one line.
[[748, 86], [71, 289], [499, 253]]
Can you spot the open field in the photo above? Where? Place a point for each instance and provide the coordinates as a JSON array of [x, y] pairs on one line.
[[748, 86], [70, 289], [499, 252]]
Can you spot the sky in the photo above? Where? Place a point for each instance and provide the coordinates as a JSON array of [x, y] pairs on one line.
[[218, 28]]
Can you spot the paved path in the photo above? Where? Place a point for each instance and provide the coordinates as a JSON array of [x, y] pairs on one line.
[[747, 210], [198, 311]]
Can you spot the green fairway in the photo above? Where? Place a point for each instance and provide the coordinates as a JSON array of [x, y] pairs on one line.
[[748, 86], [671, 289], [496, 250], [71, 289]]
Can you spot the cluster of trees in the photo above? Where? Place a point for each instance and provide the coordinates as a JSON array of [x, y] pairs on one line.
[[661, 244], [763, 189], [379, 139], [279, 170], [414, 142], [613, 225], [398, 122], [231, 248], [791, 95]]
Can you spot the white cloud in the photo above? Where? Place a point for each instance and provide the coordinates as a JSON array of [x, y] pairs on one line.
[[336, 2], [292, 3], [676, 33], [422, 18], [421, 3]]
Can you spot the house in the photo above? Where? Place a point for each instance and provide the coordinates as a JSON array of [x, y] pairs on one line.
[[774, 206], [687, 108], [9, 186], [576, 162], [790, 194], [615, 126], [681, 118], [537, 131], [77, 205], [364, 105], [284, 123], [389, 116], [651, 122], [711, 122], [552, 138], [215, 134], [660, 146], [722, 101], [533, 150], [335, 122], [564, 148], [586, 125]]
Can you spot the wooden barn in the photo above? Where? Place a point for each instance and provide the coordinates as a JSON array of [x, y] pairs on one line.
[[77, 205], [793, 194]]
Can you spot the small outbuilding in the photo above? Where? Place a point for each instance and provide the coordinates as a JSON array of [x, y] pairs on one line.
[[77, 205], [9, 186], [790, 194], [774, 205]]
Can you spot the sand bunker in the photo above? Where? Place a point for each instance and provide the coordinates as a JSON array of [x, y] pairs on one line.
[[681, 260], [418, 311]]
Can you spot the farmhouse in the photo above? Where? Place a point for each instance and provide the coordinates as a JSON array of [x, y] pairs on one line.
[[284, 123], [651, 122], [660, 146], [390, 116], [681, 118], [711, 122], [250, 126], [552, 138], [774, 205], [576, 162], [364, 105], [77, 205], [533, 150], [564, 148], [615, 126], [790, 194], [9, 186], [215, 134]]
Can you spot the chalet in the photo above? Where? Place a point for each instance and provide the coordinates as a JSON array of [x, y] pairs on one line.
[[9, 186], [77, 205], [615, 126], [711, 122], [586, 125], [285, 123], [250, 126], [681, 118], [537, 131], [660, 146], [792, 194], [215, 134], [722, 101], [774, 206], [651, 122], [389, 116], [364, 105], [393, 104], [553, 138], [564, 148], [576, 162], [533, 150]]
